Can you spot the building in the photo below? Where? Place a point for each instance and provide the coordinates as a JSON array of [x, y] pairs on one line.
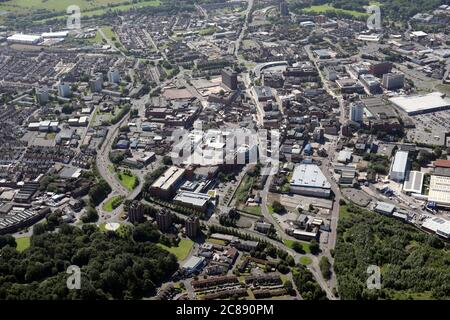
[[399, 166], [57, 34], [379, 69], [357, 112], [165, 186], [439, 191], [136, 212], [384, 208], [164, 220], [113, 76], [64, 90], [195, 200], [438, 225], [263, 227], [371, 83], [42, 96], [24, 38], [413, 182], [309, 180], [393, 81], [229, 79], [96, 84], [192, 226], [284, 8], [194, 264], [350, 86], [420, 104]]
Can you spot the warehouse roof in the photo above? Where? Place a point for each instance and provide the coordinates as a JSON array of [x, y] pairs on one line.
[[309, 175], [440, 190], [421, 103]]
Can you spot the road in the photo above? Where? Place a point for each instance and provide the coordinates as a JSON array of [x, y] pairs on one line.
[[110, 42], [244, 28]]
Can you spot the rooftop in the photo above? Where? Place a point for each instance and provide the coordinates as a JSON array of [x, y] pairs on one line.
[[440, 190], [309, 175], [421, 103]]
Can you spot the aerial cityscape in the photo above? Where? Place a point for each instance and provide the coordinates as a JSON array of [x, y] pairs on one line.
[[225, 150]]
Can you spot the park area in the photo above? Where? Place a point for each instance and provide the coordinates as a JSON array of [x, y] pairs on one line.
[[181, 251], [112, 203], [128, 180], [23, 243]]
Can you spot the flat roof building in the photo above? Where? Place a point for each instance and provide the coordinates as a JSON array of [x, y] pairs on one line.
[[413, 182], [419, 104], [165, 185], [440, 190], [195, 200], [384, 208], [308, 179], [399, 166], [438, 225], [24, 38]]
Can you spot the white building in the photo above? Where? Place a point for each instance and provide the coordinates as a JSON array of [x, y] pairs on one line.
[[96, 84], [64, 90], [393, 81], [113, 76], [24, 38], [357, 112], [42, 95], [439, 226], [440, 190], [399, 166], [309, 180]]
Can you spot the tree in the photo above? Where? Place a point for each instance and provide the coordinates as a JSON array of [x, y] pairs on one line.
[[289, 287], [325, 267], [90, 215], [99, 192], [314, 247], [167, 161], [146, 232], [7, 240], [278, 207]]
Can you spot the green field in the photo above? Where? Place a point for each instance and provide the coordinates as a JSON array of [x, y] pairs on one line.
[[183, 249], [128, 181], [23, 243], [305, 260], [216, 241], [321, 9], [255, 210], [305, 245], [110, 205], [86, 6]]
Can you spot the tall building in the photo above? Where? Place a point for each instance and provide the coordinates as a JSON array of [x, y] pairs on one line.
[[136, 212], [114, 76], [229, 78], [96, 84], [393, 81], [381, 68], [357, 112], [164, 220], [284, 9], [64, 90], [399, 166], [192, 226], [42, 95]]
